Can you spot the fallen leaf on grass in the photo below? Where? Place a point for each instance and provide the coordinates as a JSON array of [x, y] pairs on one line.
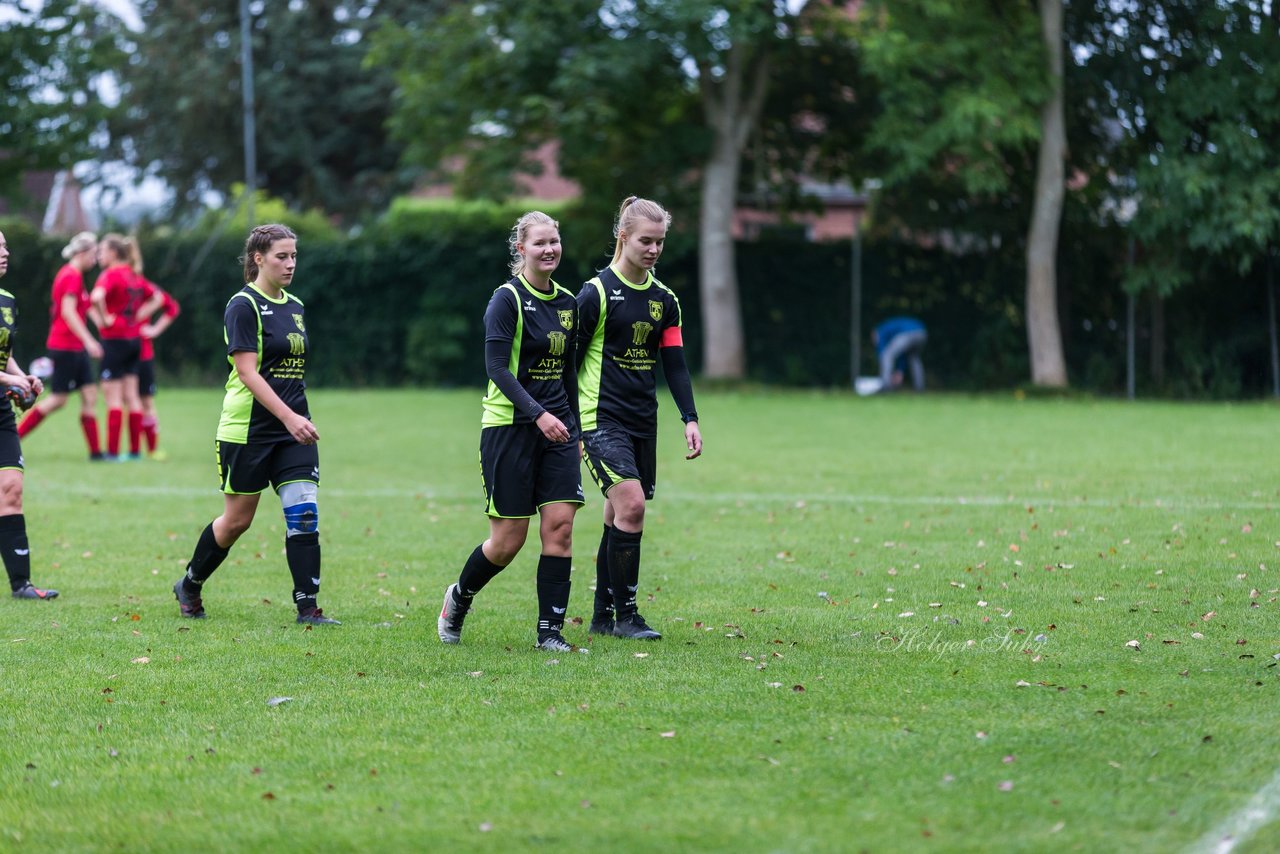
[[141, 660], [268, 797], [275, 701], [1133, 644]]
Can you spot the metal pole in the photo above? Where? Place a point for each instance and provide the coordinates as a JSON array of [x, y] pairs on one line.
[[855, 322], [1271, 322], [1130, 336], [246, 88]]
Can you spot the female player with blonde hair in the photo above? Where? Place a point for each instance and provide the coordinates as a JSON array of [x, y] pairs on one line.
[[627, 321], [529, 458]]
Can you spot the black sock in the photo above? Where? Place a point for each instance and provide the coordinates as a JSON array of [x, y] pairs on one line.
[[604, 592], [16, 552], [624, 570], [476, 573], [553, 593], [207, 557], [302, 551]]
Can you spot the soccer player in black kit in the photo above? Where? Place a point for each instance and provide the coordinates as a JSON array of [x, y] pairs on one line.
[[265, 437], [14, 549], [529, 455], [627, 320]]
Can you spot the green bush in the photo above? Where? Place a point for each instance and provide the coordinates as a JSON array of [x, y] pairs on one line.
[[403, 303]]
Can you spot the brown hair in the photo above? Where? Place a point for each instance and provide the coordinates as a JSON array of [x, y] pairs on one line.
[[260, 240], [633, 210], [120, 245], [520, 232]]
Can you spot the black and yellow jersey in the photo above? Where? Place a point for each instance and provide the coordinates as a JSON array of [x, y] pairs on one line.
[[274, 329], [8, 328], [539, 329], [621, 327]]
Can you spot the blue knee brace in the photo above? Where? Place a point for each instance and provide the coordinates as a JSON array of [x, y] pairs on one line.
[[301, 513]]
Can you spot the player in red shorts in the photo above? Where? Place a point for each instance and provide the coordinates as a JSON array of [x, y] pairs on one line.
[[71, 345], [169, 309], [119, 295]]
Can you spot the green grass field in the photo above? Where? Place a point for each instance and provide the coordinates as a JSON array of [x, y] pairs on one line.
[[899, 624]]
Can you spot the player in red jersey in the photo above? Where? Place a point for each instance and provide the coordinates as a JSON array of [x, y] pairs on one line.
[[119, 296], [71, 345], [169, 310]]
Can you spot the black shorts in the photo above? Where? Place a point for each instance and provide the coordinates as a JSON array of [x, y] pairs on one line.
[[614, 455], [522, 471], [10, 448], [250, 469], [120, 357], [147, 378], [71, 370]]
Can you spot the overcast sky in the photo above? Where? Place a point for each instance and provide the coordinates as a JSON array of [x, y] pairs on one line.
[[122, 8]]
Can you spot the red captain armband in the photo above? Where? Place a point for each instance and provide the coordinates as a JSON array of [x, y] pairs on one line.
[[671, 337]]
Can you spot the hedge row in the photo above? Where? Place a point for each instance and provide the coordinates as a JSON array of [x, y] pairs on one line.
[[402, 304]]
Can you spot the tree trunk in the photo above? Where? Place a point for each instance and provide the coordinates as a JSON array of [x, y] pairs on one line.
[[1044, 334], [723, 354], [1157, 340], [732, 105]]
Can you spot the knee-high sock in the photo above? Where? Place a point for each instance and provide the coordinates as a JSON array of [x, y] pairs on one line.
[[14, 548], [604, 588], [624, 569], [207, 557], [476, 573], [553, 593], [150, 429], [135, 432], [89, 426], [303, 554], [115, 418], [30, 422]]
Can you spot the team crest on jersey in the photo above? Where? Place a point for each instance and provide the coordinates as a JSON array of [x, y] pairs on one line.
[[297, 318], [8, 314], [566, 318], [655, 309]]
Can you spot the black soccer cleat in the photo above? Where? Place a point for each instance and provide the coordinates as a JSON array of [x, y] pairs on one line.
[[601, 624], [316, 617], [452, 613], [30, 591], [553, 642], [635, 628], [189, 606]]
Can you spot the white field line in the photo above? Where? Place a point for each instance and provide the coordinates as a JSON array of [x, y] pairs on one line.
[[431, 493], [1262, 809]]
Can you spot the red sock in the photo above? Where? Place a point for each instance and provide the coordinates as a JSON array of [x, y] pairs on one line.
[[135, 433], [33, 419], [89, 424], [149, 428], [114, 419]]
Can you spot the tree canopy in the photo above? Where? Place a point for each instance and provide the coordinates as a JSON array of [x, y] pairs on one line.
[[1184, 98], [320, 113], [52, 105]]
